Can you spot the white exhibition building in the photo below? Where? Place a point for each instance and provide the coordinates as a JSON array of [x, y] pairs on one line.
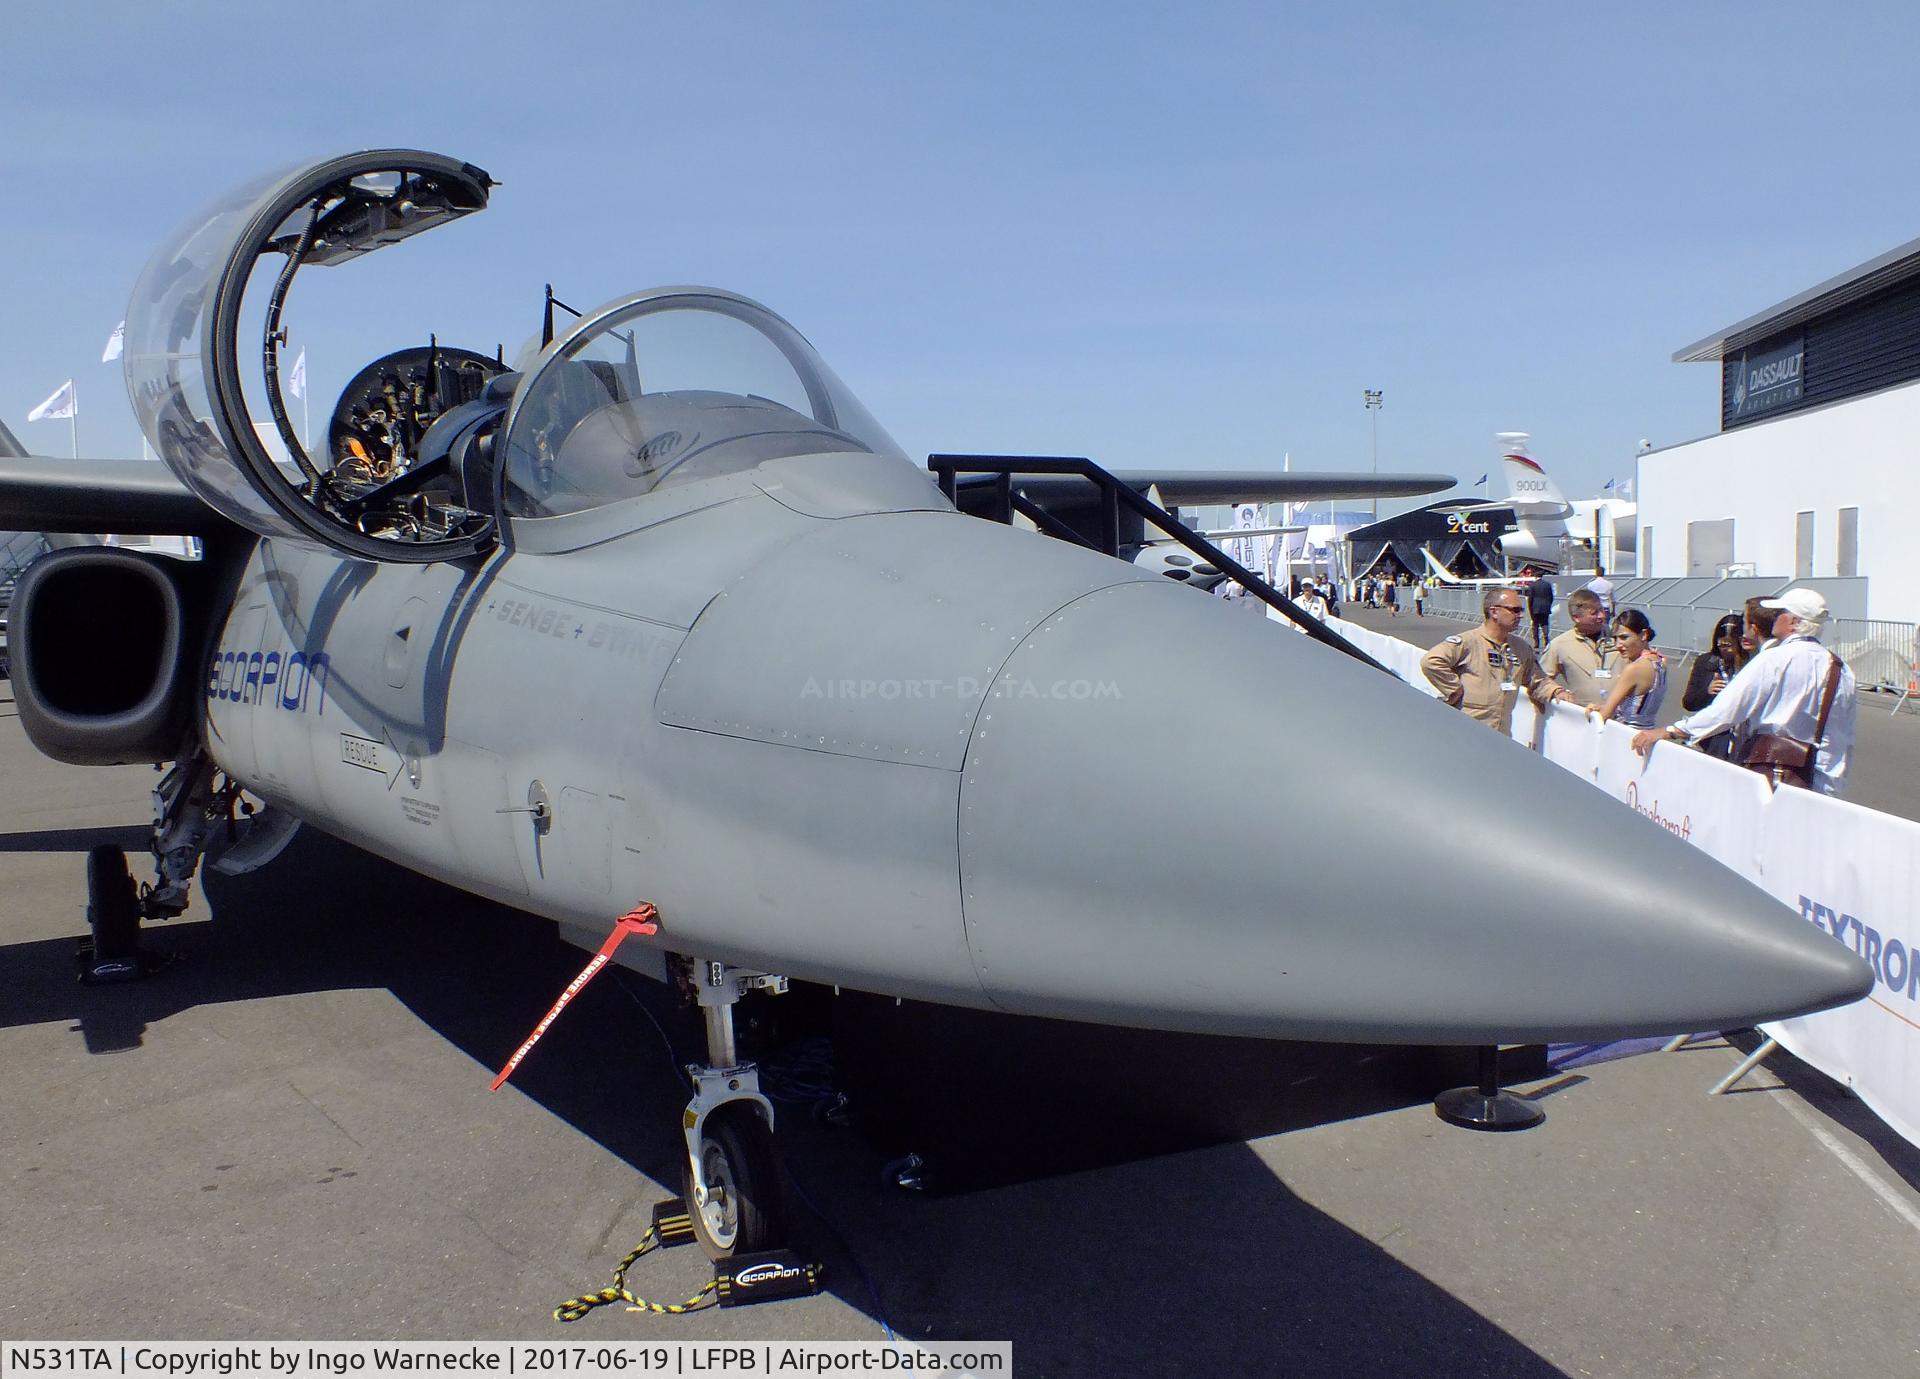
[[1815, 472]]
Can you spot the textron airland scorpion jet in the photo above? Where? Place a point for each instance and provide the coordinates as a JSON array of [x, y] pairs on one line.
[[666, 616]]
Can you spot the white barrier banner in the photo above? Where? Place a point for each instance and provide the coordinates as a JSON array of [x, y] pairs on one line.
[[1716, 807], [1402, 658], [1375, 646], [1852, 873], [1526, 724], [1571, 740], [1404, 661]]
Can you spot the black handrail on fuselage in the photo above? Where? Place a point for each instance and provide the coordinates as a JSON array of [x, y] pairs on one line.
[[1113, 496]]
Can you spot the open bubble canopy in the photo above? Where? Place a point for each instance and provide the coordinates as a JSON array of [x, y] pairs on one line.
[[656, 389]]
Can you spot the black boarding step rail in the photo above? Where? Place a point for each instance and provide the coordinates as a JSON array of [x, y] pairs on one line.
[[1114, 495]]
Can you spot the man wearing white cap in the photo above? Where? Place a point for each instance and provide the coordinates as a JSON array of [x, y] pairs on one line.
[[1784, 692]]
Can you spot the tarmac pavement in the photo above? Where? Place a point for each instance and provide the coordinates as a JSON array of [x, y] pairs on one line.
[[288, 1135]]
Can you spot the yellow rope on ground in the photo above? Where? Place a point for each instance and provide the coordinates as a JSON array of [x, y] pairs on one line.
[[573, 1309]]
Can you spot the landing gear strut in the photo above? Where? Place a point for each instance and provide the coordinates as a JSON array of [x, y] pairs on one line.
[[191, 806], [733, 1177]]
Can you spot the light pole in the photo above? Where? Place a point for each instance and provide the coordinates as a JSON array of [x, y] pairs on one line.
[[1375, 399]]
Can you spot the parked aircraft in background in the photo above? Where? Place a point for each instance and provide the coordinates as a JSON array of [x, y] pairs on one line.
[[1554, 533], [1605, 532], [667, 616], [1535, 501], [1446, 576]]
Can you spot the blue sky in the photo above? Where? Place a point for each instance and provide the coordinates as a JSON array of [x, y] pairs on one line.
[[1185, 237]]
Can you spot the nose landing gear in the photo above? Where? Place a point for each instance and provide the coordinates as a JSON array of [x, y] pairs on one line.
[[198, 813], [733, 1204], [733, 1176]]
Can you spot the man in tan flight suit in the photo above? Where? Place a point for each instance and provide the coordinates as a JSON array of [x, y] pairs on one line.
[[1482, 672], [1583, 657]]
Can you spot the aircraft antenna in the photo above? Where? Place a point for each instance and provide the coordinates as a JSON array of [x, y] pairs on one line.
[[546, 328], [546, 332]]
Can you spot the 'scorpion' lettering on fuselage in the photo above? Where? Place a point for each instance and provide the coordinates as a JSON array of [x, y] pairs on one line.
[[293, 681]]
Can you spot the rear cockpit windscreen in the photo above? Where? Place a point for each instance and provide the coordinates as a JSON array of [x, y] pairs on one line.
[[668, 388]]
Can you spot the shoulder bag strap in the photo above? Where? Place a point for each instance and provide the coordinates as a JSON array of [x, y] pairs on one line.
[[1826, 700]]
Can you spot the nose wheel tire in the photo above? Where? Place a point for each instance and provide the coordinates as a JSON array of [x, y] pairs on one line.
[[736, 1205], [112, 952]]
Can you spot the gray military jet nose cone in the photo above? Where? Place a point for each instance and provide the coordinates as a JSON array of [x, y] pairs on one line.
[[1176, 814]]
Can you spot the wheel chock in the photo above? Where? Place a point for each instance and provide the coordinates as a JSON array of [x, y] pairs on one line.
[[765, 1277], [737, 1282]]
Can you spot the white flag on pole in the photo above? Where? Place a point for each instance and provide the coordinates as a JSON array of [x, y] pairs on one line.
[[297, 380], [58, 406], [116, 342]]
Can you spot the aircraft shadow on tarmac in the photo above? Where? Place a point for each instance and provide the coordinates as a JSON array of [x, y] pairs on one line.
[[132, 838], [1199, 1264]]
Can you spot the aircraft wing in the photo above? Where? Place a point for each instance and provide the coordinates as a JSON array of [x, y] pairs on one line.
[[1191, 488], [1543, 511], [123, 497], [1194, 487], [1446, 576], [1228, 533]]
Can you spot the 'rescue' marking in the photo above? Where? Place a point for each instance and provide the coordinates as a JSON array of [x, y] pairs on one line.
[[361, 751]]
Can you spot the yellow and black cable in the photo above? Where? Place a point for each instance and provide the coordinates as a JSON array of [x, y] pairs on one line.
[[573, 1309]]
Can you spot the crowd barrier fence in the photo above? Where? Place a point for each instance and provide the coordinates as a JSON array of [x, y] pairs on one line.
[[1882, 655], [1852, 872]]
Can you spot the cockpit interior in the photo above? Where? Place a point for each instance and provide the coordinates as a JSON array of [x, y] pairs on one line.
[[431, 448]]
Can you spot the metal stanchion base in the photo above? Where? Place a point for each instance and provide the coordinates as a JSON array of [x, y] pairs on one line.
[[1486, 1107], [1474, 1109]]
